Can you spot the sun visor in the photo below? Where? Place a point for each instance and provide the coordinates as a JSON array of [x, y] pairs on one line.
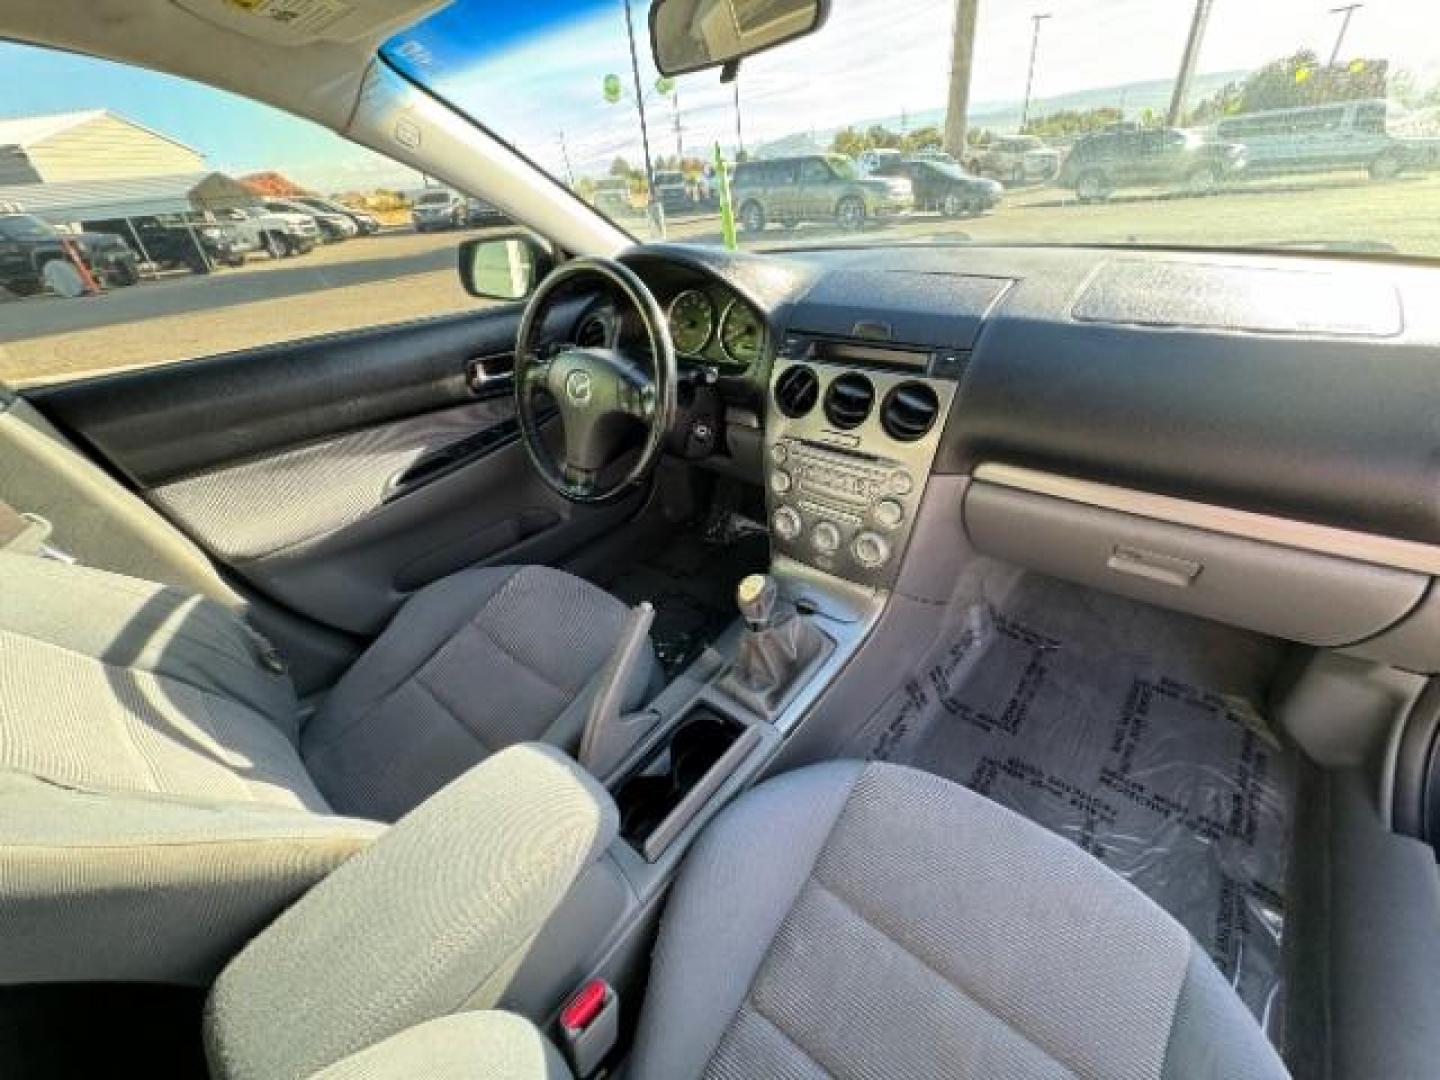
[[304, 22]]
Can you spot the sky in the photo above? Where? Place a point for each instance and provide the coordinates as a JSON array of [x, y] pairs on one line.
[[533, 70]]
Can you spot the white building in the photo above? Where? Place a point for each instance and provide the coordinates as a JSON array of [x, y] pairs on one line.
[[92, 145]]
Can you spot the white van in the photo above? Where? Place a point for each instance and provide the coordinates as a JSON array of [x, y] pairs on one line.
[[1315, 138]]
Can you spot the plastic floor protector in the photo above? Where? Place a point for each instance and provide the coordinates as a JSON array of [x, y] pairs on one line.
[[1133, 733]]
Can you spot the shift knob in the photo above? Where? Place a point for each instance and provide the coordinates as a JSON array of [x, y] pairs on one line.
[[756, 596]]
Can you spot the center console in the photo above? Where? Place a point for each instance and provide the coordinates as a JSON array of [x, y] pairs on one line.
[[852, 432]]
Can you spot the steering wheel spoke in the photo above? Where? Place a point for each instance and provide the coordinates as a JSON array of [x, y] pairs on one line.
[[600, 393]]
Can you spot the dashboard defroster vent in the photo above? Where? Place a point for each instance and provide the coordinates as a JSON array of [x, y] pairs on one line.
[[909, 411], [796, 390], [849, 400]]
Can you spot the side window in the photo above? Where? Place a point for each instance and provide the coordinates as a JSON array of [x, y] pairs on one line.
[[784, 173], [177, 204], [817, 172]]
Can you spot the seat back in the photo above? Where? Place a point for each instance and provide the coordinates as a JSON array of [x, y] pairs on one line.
[[154, 811]]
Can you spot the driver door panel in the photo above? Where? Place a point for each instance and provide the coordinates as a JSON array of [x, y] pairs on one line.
[[340, 474]]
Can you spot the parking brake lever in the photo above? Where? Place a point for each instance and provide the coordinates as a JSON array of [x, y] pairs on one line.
[[609, 736]]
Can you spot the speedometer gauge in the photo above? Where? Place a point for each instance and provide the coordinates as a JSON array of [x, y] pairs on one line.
[[741, 333], [692, 321]]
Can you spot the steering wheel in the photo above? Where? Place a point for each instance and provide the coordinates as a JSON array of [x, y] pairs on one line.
[[601, 393]]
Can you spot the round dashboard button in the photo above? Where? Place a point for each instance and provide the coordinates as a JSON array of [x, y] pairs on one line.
[[779, 453], [786, 523], [888, 513], [780, 481], [826, 538], [870, 550], [901, 482]]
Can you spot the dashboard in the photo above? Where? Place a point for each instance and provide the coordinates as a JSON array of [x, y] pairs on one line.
[[1250, 438]]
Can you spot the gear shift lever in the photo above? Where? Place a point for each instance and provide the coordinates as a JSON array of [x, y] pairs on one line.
[[778, 646], [756, 596]]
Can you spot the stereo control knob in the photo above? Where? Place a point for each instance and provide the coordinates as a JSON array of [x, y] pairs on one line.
[[779, 453], [780, 481], [870, 550], [786, 523], [888, 513], [826, 538], [901, 482]]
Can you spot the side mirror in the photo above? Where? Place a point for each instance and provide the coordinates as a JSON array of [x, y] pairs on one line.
[[692, 35], [504, 267]]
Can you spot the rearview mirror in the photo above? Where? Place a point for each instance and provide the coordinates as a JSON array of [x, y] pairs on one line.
[[504, 267], [691, 35]]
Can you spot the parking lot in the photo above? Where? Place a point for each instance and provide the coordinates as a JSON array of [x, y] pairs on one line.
[[400, 275]]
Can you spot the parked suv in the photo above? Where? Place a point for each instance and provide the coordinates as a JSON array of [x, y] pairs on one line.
[[1015, 159], [817, 187], [365, 224], [1124, 156], [944, 187], [27, 243], [1350, 134], [280, 234], [333, 227], [169, 241], [436, 208]]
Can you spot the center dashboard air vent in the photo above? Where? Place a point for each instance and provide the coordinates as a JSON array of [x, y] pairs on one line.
[[909, 411], [796, 390], [592, 333], [849, 400]]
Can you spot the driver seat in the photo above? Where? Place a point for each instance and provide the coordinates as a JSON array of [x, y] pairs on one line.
[[161, 799]]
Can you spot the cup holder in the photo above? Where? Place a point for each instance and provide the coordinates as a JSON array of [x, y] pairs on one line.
[[657, 786]]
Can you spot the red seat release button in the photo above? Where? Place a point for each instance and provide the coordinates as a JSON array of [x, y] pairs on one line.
[[585, 1005]]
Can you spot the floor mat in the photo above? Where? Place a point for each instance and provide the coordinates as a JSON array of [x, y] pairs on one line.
[[1132, 732], [690, 577]]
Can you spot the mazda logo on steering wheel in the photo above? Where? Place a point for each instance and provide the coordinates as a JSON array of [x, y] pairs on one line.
[[578, 389]]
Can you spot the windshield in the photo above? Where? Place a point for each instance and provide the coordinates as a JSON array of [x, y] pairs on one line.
[[433, 198], [25, 227], [1287, 125]]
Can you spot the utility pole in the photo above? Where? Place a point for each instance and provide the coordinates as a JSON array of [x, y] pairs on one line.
[[1348, 10], [1030, 74], [1187, 62], [739, 135], [565, 156], [652, 202], [962, 50], [679, 141]]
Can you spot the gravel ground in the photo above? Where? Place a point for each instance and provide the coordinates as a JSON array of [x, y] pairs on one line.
[[401, 275]]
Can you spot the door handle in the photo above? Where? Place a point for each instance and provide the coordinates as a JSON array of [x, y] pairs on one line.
[[486, 376]]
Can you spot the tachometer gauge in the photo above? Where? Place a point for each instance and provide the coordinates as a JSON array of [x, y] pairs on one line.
[[741, 333], [692, 321]]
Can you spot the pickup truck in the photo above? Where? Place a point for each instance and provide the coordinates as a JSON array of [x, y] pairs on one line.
[[280, 234], [27, 243]]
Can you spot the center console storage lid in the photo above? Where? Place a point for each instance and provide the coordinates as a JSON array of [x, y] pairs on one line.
[[937, 309]]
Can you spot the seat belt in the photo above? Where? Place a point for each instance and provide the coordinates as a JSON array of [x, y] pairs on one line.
[[27, 534]]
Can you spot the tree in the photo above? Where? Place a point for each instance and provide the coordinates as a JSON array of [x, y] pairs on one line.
[[1295, 81], [881, 138], [849, 142], [923, 138], [620, 167], [1070, 122]]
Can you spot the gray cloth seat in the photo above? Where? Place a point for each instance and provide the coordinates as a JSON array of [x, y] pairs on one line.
[[859, 920], [161, 801]]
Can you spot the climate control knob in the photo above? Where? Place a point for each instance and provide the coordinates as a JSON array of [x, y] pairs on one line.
[[870, 549], [786, 523], [780, 481], [888, 513], [826, 538]]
